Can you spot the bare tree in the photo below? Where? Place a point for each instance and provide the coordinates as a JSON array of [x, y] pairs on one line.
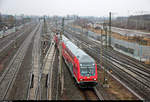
[[0, 18], [1, 26]]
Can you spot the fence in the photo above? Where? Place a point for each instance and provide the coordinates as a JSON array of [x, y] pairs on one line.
[[139, 52]]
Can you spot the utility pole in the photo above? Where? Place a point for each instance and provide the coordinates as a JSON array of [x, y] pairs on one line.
[[109, 43], [56, 23], [109, 29], [15, 42], [60, 56], [105, 28], [101, 51], [105, 82], [45, 26], [60, 70], [0, 18]]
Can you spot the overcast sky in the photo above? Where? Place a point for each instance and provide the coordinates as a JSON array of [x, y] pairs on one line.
[[78, 7]]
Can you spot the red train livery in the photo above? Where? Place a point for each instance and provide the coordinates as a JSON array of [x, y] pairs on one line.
[[82, 66]]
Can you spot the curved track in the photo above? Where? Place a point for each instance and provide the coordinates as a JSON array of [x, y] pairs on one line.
[[134, 74]]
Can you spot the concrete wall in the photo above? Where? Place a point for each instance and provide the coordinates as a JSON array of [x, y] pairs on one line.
[[140, 52], [9, 31]]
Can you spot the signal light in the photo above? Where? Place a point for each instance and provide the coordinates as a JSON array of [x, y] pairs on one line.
[[94, 79], [81, 79]]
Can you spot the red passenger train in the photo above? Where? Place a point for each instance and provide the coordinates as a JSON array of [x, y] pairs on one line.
[[82, 67]]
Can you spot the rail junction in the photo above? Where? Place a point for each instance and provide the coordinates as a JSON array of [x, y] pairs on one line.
[[29, 67]]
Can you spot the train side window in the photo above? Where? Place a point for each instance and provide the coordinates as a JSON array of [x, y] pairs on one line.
[[71, 65]]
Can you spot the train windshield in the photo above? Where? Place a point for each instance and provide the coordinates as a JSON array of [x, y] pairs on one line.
[[87, 69]]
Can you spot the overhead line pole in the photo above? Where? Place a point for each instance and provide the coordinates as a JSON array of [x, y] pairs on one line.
[[109, 29], [105, 81], [15, 42], [60, 70], [105, 29], [60, 56], [101, 50], [109, 43]]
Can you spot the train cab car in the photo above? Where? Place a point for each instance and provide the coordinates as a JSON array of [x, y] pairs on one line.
[[82, 66], [88, 72]]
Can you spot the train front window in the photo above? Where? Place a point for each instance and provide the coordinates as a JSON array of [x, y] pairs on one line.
[[87, 69]]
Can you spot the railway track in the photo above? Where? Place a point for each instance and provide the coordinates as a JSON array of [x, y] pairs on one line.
[[140, 73], [47, 72], [8, 77], [88, 94], [7, 44], [49, 80], [91, 94], [127, 73], [54, 81], [85, 94], [12, 36], [7, 54], [128, 58], [124, 61], [11, 31], [141, 76], [33, 88], [49, 63], [100, 97]]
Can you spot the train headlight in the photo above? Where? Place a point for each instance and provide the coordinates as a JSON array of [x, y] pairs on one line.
[[81, 79], [94, 79]]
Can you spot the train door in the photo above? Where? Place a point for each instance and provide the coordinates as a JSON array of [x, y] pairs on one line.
[[71, 68], [75, 69]]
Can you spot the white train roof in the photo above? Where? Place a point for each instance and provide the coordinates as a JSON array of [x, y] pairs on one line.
[[81, 55]]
